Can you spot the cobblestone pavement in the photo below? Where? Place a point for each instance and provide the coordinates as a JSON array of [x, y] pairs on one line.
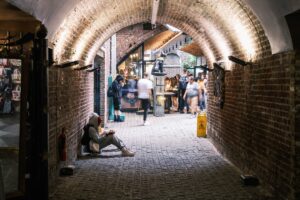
[[170, 163]]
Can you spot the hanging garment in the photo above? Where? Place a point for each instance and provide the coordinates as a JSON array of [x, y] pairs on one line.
[[7, 106], [16, 76], [16, 93]]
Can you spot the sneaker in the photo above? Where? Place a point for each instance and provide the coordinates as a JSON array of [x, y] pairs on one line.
[[146, 123], [127, 153], [192, 116]]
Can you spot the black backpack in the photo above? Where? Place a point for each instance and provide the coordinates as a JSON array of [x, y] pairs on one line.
[[85, 140], [110, 91]]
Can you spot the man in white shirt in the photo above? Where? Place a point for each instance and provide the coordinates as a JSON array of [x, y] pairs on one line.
[[144, 94]]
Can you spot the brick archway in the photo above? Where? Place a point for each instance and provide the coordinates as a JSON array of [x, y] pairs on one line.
[[85, 29], [256, 128]]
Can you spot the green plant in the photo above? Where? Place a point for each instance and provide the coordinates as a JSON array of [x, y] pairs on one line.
[[189, 61]]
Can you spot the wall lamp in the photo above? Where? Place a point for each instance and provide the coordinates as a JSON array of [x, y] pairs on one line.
[[83, 67], [93, 69], [67, 64], [238, 61]]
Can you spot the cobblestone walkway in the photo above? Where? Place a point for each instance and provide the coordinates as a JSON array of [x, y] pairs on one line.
[[170, 163]]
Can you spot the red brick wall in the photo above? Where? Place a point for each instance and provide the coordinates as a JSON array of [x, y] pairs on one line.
[[70, 103], [130, 37], [254, 130], [297, 123], [71, 100]]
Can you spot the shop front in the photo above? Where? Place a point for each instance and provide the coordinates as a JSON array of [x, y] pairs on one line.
[[11, 110], [132, 69]]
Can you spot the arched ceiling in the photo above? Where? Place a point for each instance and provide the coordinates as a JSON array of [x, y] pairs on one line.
[[79, 27]]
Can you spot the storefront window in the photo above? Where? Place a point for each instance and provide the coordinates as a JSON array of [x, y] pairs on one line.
[[10, 102], [131, 70]]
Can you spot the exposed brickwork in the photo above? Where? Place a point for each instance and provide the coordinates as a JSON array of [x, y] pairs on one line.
[[71, 100], [132, 36], [70, 103], [206, 35], [254, 129], [191, 17], [297, 123]]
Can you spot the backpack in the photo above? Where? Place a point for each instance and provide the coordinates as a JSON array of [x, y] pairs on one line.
[[85, 140], [110, 91], [182, 82]]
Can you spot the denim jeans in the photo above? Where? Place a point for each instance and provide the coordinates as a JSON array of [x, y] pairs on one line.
[[145, 106], [182, 102], [110, 139]]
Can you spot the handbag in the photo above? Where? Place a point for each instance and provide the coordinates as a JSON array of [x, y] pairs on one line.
[[16, 93], [16, 76]]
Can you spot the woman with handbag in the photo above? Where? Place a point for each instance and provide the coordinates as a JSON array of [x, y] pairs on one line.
[[117, 85], [192, 92]]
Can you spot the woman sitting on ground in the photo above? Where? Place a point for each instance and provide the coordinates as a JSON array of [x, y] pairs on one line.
[[102, 139]]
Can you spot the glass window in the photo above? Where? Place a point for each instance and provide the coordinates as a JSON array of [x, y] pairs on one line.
[[10, 103]]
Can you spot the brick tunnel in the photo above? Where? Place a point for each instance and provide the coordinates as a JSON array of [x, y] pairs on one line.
[[256, 130]]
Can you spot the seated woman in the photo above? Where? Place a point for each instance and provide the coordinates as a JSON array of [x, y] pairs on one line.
[[102, 139]]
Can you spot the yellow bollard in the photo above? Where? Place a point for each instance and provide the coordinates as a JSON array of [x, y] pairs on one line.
[[201, 125]]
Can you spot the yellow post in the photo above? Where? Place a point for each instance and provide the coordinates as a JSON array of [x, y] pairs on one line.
[[201, 125]]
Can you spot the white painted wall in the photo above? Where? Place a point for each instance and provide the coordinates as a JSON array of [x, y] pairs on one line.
[[49, 12], [271, 14]]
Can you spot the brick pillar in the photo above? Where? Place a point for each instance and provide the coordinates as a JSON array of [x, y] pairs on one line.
[[255, 129], [297, 126], [70, 104], [105, 72]]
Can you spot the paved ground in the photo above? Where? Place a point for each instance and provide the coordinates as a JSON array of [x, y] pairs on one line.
[[170, 163]]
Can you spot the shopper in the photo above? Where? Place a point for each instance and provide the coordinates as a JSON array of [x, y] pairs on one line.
[[202, 93], [117, 85], [181, 90], [144, 93], [102, 139], [191, 93], [205, 89], [174, 85]]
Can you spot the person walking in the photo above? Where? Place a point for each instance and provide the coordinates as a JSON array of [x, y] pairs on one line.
[[117, 95], [202, 93], [144, 93], [192, 92], [183, 80]]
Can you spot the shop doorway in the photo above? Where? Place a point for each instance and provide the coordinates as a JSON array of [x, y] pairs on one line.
[[97, 84], [176, 51]]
